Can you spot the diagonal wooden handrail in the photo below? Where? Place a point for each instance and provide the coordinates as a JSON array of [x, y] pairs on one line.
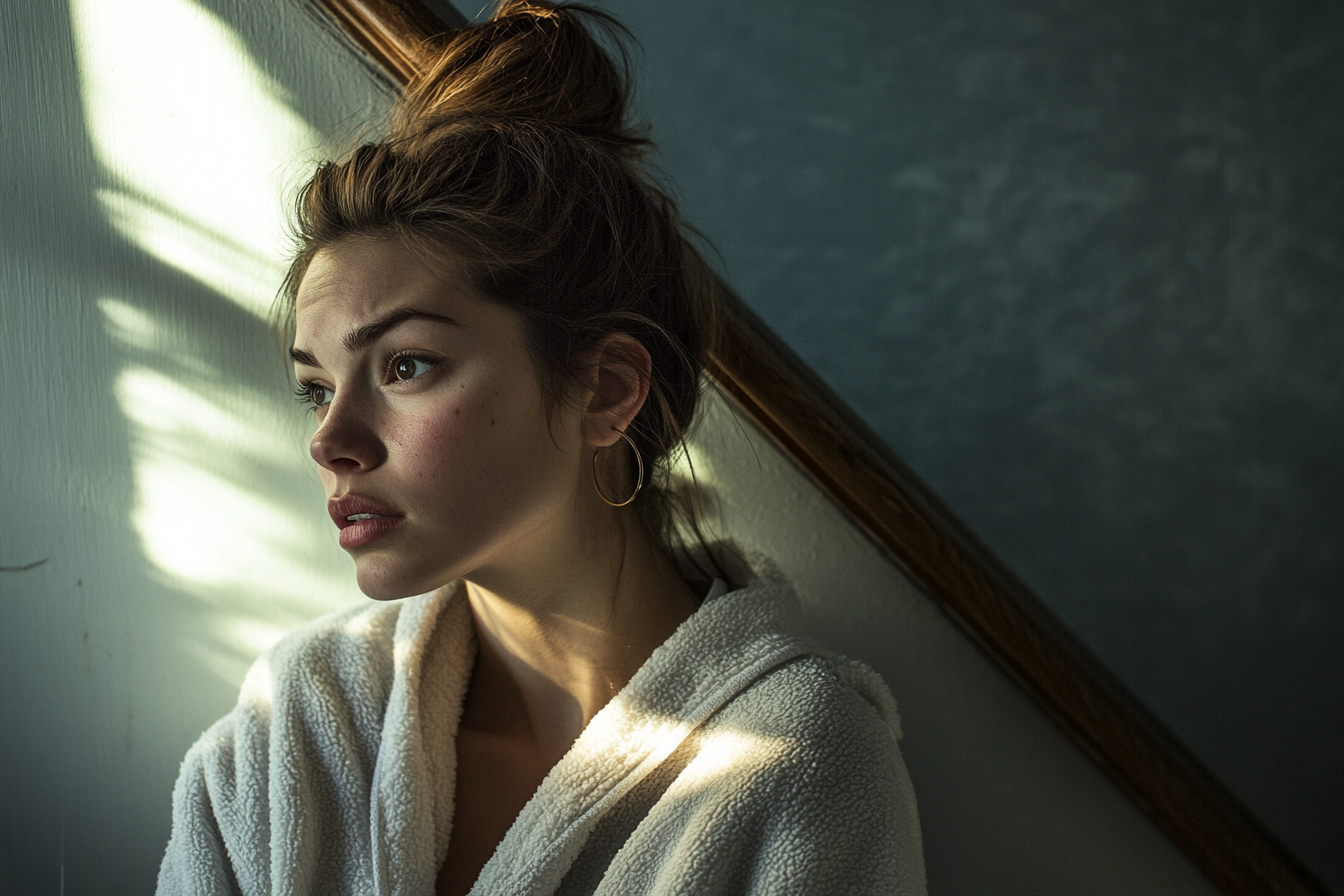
[[788, 401]]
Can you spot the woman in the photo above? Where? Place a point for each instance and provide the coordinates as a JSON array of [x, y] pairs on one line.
[[499, 325]]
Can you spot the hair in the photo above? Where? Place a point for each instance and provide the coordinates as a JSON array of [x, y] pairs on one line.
[[512, 157]]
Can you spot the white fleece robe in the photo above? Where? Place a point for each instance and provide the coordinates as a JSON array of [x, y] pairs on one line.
[[739, 759]]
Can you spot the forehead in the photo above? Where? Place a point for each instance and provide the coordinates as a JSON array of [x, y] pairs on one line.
[[359, 279]]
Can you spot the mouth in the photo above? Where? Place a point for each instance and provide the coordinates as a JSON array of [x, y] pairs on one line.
[[362, 520], [360, 517]]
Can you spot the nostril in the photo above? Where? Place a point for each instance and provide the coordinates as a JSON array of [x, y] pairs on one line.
[[345, 444]]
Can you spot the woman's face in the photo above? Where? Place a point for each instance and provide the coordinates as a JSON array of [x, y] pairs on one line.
[[432, 439]]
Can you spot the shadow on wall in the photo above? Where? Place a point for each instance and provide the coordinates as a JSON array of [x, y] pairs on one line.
[[161, 470]]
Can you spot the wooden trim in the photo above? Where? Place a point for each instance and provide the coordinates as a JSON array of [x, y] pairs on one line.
[[815, 427]]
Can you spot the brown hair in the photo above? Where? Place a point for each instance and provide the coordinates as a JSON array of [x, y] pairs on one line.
[[512, 155]]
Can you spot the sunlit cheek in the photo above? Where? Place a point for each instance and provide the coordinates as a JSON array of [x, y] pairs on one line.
[[425, 440]]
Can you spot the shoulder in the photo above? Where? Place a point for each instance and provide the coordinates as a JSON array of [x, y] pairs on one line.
[[823, 705], [794, 786], [837, 806], [321, 663], [845, 772], [812, 741], [320, 691], [826, 707]]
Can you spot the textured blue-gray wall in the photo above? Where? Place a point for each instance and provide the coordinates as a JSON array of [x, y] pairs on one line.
[[1081, 264]]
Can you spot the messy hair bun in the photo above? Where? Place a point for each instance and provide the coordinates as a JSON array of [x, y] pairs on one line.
[[530, 63], [512, 155]]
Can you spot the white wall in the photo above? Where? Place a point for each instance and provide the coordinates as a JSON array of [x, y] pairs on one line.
[[151, 462]]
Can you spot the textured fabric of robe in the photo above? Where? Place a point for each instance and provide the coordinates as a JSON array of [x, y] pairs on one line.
[[739, 759]]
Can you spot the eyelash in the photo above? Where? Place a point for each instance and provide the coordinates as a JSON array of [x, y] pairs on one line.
[[392, 362], [304, 392], [304, 395]]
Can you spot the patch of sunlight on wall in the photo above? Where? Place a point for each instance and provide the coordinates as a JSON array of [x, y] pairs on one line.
[[197, 523], [199, 150], [201, 449], [692, 471], [191, 180]]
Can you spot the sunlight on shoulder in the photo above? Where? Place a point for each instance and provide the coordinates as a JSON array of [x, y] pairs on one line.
[[722, 750], [259, 685]]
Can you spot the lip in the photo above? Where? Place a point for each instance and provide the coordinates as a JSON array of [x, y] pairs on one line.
[[358, 533]]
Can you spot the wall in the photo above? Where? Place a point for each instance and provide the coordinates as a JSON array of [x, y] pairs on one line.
[[162, 525]]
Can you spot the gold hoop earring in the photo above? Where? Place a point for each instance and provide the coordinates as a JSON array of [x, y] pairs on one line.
[[639, 480]]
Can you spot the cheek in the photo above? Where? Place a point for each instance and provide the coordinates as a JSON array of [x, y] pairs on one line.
[[438, 440], [459, 440]]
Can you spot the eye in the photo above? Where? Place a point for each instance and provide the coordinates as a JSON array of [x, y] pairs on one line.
[[405, 368], [313, 396]]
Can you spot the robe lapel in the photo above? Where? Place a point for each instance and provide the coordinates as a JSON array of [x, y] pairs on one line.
[[715, 654], [411, 807]]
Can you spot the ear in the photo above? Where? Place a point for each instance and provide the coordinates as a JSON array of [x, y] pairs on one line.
[[622, 370]]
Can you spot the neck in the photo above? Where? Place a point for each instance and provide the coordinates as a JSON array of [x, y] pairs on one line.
[[557, 640]]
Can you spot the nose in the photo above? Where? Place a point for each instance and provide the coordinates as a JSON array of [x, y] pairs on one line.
[[347, 440]]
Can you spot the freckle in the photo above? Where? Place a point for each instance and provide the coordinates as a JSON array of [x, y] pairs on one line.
[[457, 412]]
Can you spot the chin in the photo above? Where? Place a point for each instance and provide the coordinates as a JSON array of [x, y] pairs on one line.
[[381, 579]]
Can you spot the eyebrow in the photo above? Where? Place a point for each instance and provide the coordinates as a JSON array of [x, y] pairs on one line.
[[364, 336]]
